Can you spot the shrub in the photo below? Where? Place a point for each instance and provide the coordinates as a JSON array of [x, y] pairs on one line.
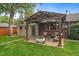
[[74, 32]]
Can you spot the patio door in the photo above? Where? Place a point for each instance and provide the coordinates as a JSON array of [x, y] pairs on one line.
[[33, 30]]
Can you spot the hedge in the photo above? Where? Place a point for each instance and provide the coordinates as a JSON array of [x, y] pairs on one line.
[[74, 31]]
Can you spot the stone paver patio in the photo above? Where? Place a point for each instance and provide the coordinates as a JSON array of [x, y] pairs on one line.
[[47, 42]]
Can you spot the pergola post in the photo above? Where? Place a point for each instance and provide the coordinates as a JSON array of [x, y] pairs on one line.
[[60, 44], [27, 29]]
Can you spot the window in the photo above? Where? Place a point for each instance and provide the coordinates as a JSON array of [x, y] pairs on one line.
[[52, 26]]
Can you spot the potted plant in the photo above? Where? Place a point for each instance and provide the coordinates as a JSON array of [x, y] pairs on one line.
[[40, 39]]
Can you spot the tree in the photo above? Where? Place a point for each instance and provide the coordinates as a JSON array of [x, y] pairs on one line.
[[9, 9], [28, 12], [12, 9], [18, 21], [4, 19]]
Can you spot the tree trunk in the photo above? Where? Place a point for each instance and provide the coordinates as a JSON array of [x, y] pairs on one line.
[[27, 29], [10, 24]]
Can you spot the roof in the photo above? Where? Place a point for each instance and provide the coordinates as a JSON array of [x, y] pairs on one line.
[[72, 17], [43, 15], [6, 25]]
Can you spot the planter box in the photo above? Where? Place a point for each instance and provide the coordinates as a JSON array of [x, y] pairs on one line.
[[40, 40]]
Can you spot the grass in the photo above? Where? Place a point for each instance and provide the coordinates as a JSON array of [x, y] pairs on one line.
[[6, 38], [22, 48]]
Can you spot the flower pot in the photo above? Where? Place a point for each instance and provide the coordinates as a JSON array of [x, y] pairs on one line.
[[40, 40]]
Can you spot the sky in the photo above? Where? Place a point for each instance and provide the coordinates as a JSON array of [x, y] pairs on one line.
[[58, 7]]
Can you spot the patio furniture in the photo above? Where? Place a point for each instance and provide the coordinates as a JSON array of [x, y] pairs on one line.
[[54, 36]]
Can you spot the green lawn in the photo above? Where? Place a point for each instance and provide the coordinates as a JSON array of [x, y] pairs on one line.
[[4, 39], [22, 48]]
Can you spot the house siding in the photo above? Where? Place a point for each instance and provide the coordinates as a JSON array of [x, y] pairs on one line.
[[21, 31]]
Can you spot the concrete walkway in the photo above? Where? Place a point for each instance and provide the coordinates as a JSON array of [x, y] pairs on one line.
[[10, 42]]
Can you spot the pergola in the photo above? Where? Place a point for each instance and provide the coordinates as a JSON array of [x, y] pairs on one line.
[[42, 17]]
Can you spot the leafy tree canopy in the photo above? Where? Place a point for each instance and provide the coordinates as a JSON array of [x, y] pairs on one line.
[[4, 19]]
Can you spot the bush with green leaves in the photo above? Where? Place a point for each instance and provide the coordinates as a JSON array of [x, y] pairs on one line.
[[74, 31]]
